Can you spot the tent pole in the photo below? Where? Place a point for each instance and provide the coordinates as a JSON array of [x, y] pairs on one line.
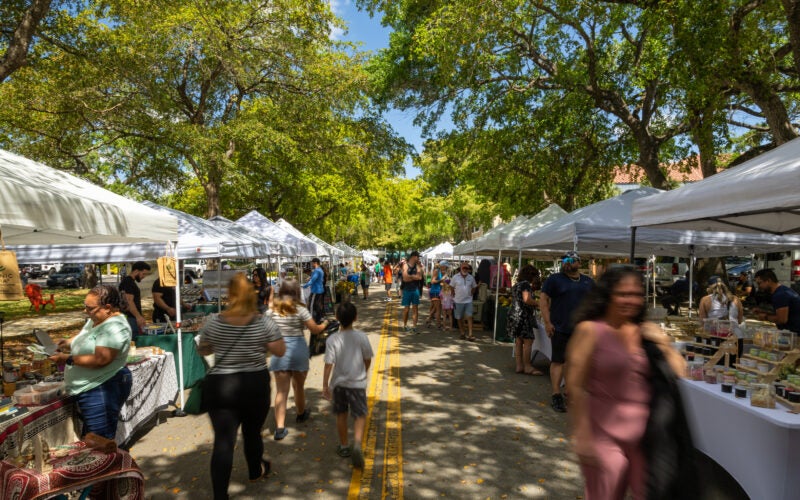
[[519, 261], [219, 285], [497, 295], [179, 411], [633, 243], [691, 279], [653, 275]]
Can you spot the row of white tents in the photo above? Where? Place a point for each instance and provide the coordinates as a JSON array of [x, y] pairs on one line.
[[47, 215], [751, 208]]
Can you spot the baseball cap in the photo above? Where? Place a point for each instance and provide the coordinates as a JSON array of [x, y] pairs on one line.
[[444, 263], [571, 257], [713, 280]]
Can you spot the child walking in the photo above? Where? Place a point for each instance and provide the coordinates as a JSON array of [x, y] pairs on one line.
[[447, 295], [348, 354]]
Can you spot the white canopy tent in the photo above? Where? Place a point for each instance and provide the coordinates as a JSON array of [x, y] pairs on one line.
[[604, 228], [330, 249], [260, 224], [506, 238], [286, 226], [347, 249], [44, 206], [369, 257], [441, 251], [274, 247], [762, 195]]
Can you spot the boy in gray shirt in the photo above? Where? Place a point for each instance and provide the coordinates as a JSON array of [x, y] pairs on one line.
[[348, 354]]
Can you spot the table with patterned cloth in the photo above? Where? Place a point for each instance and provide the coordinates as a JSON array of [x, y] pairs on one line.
[[155, 386], [194, 367], [55, 422], [121, 478]]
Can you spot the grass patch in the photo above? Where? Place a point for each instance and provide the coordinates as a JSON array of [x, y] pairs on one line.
[[67, 299]]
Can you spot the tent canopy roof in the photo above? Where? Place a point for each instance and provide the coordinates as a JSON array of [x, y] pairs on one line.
[[44, 206], [258, 223], [603, 228], [761, 195]]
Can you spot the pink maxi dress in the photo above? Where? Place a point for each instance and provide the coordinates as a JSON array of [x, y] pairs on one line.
[[619, 406]]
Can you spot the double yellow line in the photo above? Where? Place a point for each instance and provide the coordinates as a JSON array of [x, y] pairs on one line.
[[392, 466]]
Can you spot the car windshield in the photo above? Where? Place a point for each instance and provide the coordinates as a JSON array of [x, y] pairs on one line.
[[70, 270]]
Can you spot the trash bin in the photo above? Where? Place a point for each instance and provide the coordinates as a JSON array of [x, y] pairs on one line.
[[501, 334]]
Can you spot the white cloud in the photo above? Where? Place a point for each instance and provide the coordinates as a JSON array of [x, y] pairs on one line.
[[338, 7]]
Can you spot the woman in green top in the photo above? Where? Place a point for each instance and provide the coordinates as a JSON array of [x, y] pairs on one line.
[[363, 277], [95, 360]]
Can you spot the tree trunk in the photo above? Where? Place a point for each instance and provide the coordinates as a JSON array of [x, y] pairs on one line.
[[17, 53], [792, 10], [648, 160], [770, 103], [703, 135]]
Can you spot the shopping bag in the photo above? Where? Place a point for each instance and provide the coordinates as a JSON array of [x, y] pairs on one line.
[[194, 403], [167, 268], [10, 282]]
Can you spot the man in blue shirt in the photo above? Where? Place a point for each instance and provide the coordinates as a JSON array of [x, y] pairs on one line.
[[561, 294], [785, 301], [317, 283]]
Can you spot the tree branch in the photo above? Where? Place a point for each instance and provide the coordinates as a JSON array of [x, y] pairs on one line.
[[17, 53]]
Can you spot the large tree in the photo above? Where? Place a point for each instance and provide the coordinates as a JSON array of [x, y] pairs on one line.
[[252, 102]]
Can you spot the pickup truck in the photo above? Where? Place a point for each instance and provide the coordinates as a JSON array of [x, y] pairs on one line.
[[194, 268], [667, 271]]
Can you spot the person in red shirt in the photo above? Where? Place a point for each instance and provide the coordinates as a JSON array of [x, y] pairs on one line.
[[387, 279]]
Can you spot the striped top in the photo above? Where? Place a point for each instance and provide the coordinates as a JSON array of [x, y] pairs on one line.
[[239, 348], [293, 324]]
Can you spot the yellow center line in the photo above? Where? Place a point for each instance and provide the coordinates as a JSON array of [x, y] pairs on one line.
[[393, 444], [361, 480]]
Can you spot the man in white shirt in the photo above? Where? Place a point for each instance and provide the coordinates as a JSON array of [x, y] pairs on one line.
[[464, 285]]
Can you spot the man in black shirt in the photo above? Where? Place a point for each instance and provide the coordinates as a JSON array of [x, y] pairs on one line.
[[133, 296]]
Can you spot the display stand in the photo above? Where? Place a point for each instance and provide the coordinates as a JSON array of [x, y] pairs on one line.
[[775, 366]]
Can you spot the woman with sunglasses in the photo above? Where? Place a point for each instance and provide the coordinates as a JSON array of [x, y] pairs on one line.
[[95, 360]]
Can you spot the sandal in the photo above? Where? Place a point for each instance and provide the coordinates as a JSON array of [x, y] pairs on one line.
[[472, 339], [343, 451], [534, 372], [266, 466]]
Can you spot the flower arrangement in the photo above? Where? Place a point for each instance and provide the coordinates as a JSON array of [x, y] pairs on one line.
[[345, 287]]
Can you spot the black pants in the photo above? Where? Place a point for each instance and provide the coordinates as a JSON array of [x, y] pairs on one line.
[[317, 307], [236, 399]]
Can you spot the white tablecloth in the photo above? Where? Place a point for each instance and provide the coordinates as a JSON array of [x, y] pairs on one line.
[[155, 386], [759, 447]]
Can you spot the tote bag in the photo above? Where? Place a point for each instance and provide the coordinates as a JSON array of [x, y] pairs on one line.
[[10, 282], [167, 268]]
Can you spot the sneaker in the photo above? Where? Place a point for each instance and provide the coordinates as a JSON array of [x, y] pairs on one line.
[[406, 329], [414, 330], [281, 433], [358, 458], [343, 451], [558, 403], [303, 416]]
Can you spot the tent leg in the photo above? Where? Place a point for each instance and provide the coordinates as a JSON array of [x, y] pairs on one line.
[[179, 412], [691, 279], [497, 296]]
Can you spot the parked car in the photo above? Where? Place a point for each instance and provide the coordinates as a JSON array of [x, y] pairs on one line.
[[32, 271], [69, 276]]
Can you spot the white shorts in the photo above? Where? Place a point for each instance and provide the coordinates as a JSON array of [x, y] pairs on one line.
[[462, 310]]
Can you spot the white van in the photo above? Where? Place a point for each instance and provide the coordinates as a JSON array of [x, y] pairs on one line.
[[194, 267], [785, 264]]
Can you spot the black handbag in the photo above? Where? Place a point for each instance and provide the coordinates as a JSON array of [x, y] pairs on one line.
[[316, 343]]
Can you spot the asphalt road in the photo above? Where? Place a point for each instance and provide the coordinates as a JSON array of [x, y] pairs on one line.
[[448, 418]]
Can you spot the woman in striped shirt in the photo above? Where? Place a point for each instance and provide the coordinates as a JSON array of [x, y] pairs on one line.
[[291, 317], [236, 390]]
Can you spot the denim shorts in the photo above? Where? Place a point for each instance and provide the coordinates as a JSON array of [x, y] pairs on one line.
[[462, 310], [100, 407]]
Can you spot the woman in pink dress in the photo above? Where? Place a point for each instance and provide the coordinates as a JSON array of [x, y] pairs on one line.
[[610, 386]]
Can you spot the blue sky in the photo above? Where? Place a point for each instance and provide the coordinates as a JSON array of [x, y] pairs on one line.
[[369, 32]]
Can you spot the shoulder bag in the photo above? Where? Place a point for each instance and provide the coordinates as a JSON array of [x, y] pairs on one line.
[[194, 403]]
